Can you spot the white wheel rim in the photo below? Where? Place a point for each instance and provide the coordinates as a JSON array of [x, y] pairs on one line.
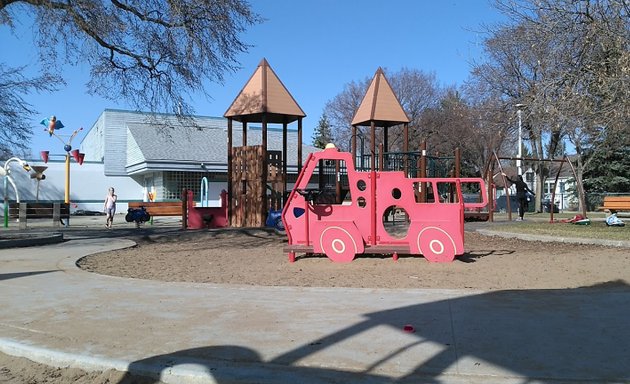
[[337, 242], [439, 244]]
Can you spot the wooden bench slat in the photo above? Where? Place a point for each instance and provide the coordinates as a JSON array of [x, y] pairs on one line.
[[39, 210], [159, 208], [615, 203]]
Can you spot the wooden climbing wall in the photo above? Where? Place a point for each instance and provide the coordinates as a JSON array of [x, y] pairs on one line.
[[248, 190], [275, 180], [247, 186]]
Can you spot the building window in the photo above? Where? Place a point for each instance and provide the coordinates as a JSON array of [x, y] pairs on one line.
[[529, 177], [549, 187], [175, 182]]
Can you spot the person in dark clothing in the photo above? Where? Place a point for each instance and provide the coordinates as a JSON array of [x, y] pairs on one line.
[[521, 194]]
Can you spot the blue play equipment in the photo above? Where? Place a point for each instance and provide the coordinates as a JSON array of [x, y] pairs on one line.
[[139, 215], [203, 195], [274, 220]]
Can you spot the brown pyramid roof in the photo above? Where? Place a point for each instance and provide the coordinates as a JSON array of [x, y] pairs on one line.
[[380, 105], [263, 94]]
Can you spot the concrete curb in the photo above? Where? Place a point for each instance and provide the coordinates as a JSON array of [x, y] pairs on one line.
[[173, 370], [29, 240]]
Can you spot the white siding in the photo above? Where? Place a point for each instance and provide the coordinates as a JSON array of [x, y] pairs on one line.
[[134, 154], [88, 185], [115, 143], [93, 144]]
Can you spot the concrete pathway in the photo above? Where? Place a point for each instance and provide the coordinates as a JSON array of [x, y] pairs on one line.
[[54, 313]]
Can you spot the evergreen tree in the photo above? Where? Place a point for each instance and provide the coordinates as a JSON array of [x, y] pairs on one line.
[[322, 134], [609, 171]]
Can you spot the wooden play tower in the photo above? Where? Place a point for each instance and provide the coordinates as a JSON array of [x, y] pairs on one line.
[[257, 176], [380, 108]]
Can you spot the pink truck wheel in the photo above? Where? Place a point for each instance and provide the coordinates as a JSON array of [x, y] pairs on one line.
[[338, 244], [436, 245]]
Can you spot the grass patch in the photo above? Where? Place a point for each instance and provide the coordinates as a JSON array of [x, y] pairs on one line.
[[538, 224]]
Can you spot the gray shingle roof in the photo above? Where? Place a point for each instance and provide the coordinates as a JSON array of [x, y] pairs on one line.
[[206, 143]]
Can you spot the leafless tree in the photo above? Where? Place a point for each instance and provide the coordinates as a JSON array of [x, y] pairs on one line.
[[15, 112], [568, 61], [152, 53], [340, 111], [417, 92]]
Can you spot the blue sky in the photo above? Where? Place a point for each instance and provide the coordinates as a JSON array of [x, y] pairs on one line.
[[314, 46]]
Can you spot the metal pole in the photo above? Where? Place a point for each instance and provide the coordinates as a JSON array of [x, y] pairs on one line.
[[6, 203], [520, 141], [67, 194]]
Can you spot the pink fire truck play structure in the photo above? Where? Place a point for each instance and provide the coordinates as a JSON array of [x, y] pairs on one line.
[[350, 215]]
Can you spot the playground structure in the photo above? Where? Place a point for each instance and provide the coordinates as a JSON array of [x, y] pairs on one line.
[[316, 223], [492, 189], [257, 176], [194, 215], [203, 215], [340, 217]]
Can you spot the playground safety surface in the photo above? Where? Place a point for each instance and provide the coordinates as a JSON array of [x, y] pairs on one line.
[[534, 311]]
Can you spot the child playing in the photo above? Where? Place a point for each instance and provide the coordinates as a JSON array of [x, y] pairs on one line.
[[110, 207]]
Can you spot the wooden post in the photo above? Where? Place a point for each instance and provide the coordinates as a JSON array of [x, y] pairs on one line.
[[56, 214], [353, 145], [244, 134], [385, 149], [299, 152], [337, 182], [381, 157], [184, 209], [423, 171], [284, 195], [373, 184], [265, 171], [230, 176], [458, 162], [406, 148]]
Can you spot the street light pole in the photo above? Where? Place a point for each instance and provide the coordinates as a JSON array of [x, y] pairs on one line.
[[519, 162]]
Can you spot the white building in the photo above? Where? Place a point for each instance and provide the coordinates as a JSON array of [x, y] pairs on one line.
[[137, 153]]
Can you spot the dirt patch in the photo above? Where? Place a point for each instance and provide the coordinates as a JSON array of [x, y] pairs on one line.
[[18, 370], [255, 257]]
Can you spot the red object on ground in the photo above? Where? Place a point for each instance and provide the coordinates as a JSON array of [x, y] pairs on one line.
[[409, 328]]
